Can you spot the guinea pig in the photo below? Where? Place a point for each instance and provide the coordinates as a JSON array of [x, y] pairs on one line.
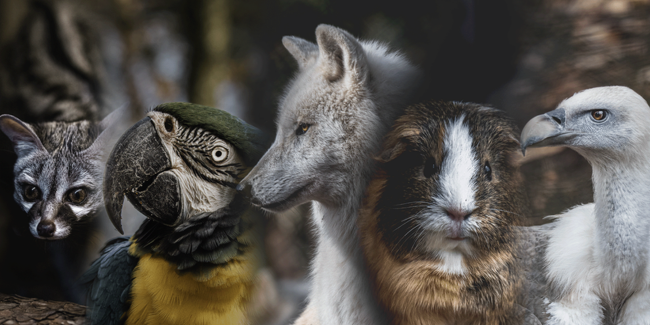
[[439, 220]]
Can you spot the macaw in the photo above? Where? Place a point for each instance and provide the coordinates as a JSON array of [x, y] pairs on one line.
[[193, 259]]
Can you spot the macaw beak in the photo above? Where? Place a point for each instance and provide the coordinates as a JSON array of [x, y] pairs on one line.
[[138, 168], [546, 130]]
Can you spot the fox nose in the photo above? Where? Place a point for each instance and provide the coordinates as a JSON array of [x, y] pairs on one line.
[[458, 215], [46, 228]]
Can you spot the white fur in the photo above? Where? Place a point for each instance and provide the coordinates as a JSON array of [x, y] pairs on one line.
[[599, 252], [452, 263], [459, 169], [331, 164]]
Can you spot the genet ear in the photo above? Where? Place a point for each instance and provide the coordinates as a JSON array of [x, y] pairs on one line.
[[111, 127], [341, 55], [305, 52], [24, 139]]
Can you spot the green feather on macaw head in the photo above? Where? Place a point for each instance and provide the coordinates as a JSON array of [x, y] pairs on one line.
[[248, 140]]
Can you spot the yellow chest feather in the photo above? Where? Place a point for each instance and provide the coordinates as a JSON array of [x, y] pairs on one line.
[[160, 295]]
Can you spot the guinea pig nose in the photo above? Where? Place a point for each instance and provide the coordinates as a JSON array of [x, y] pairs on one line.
[[458, 215], [45, 229]]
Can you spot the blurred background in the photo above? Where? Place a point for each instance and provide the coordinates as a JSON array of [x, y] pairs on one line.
[[523, 57]]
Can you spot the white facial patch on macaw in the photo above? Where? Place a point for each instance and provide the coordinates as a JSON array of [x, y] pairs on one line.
[[199, 194], [445, 220]]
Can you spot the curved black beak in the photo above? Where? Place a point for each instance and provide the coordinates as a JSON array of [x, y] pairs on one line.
[[138, 168], [545, 130]]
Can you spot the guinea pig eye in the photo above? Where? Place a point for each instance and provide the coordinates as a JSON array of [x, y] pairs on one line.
[[430, 168], [599, 115], [488, 171], [31, 193], [219, 154], [77, 196], [302, 128]]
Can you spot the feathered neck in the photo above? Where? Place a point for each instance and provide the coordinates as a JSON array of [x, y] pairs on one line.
[[201, 243], [622, 212]]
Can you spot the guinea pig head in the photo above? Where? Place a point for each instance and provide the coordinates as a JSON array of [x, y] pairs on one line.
[[451, 182]]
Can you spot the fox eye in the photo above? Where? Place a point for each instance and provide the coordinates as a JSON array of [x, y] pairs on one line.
[[219, 154], [77, 196], [302, 128], [430, 168], [488, 171], [31, 193]]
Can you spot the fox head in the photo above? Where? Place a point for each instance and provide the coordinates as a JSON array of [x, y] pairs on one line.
[[331, 119]]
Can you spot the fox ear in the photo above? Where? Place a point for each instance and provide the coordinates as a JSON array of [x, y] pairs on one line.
[[341, 55], [305, 52], [24, 139]]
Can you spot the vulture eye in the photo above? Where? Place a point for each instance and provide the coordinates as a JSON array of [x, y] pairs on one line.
[[488, 171], [302, 128], [169, 124], [599, 115], [31, 193], [219, 154], [430, 168], [77, 196]]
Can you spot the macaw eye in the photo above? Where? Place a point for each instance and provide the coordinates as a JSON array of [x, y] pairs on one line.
[[169, 124], [219, 154], [430, 168], [599, 115], [302, 128], [488, 171], [31, 193], [77, 196]]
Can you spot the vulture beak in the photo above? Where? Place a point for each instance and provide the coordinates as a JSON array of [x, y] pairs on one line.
[[545, 130], [138, 167]]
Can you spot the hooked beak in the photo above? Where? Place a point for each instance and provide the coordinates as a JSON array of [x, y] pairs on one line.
[[138, 167], [545, 130]]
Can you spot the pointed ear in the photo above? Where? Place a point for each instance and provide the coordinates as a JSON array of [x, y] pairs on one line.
[[305, 52], [110, 128], [341, 55], [22, 136]]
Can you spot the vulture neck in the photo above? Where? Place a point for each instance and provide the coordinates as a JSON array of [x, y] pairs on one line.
[[622, 212]]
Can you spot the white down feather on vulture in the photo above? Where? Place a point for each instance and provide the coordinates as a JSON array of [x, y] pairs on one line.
[[593, 262]]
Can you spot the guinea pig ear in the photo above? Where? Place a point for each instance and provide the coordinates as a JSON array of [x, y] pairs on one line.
[[396, 143], [22, 136]]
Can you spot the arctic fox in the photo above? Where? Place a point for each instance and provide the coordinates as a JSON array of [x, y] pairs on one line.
[[331, 122]]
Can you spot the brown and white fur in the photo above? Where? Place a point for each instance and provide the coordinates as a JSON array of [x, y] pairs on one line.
[[331, 121], [438, 224]]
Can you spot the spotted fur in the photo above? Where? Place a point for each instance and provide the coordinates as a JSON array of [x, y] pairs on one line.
[[421, 275]]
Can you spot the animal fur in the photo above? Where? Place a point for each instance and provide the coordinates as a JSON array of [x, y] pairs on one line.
[[331, 121], [433, 164], [50, 73]]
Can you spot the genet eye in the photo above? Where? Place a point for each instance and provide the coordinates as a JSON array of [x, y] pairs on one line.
[[77, 196], [430, 168], [488, 171], [31, 193], [599, 115], [219, 154], [169, 124], [302, 128]]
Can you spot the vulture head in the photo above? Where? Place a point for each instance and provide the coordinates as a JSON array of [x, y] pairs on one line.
[[603, 123]]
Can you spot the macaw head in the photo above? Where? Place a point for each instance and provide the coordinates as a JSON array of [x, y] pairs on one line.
[[180, 161]]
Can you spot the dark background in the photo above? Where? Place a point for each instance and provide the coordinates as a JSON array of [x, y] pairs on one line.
[[523, 57]]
